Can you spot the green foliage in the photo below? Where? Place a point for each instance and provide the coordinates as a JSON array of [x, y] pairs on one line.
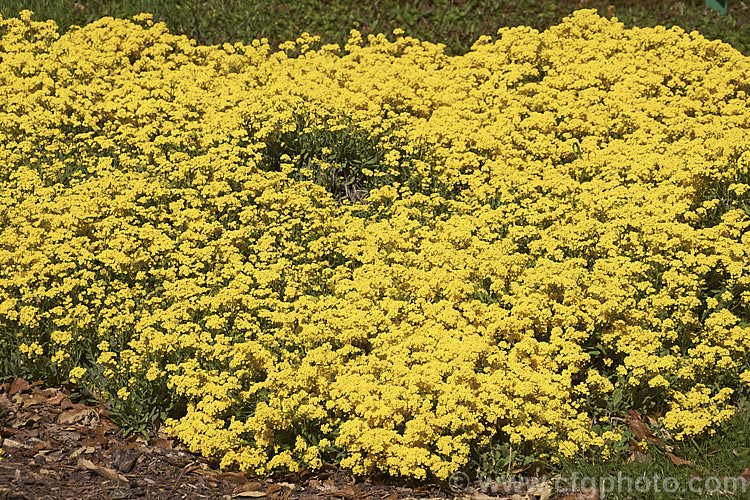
[[702, 460], [730, 190], [342, 159], [455, 23]]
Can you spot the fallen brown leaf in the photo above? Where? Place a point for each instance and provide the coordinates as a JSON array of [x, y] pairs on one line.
[[82, 450], [273, 488], [745, 474], [637, 426], [110, 474], [68, 436], [640, 430], [249, 494], [6, 432], [18, 385], [33, 400], [235, 477], [679, 461], [74, 416], [123, 460], [96, 442], [56, 399], [178, 461], [162, 443], [12, 443], [349, 491], [249, 486]]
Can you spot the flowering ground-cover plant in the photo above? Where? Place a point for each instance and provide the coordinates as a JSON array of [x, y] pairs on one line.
[[379, 255]]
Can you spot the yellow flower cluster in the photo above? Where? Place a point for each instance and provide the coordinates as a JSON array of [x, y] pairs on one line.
[[557, 216]]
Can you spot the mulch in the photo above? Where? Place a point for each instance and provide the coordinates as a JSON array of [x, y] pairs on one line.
[[55, 448]]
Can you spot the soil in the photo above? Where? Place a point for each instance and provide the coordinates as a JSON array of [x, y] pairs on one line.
[[54, 448]]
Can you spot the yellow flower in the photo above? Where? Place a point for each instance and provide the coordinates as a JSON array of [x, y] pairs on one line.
[[76, 373]]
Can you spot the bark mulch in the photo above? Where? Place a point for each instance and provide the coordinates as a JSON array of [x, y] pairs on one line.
[[54, 448]]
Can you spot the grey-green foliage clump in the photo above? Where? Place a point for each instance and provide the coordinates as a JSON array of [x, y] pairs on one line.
[[343, 159]]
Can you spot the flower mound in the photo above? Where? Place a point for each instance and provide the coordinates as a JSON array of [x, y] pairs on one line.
[[378, 255]]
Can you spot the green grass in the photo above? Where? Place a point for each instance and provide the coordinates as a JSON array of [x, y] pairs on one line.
[[663, 469], [712, 459], [456, 23]]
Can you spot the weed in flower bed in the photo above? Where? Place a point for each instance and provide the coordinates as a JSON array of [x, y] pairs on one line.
[[378, 255]]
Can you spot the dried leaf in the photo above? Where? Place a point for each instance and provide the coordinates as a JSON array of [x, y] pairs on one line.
[[124, 460], [97, 442], [73, 416], [110, 474], [12, 443], [86, 464], [637, 426], [640, 430], [68, 436], [235, 477], [679, 461], [251, 486], [56, 399], [18, 385], [6, 432], [349, 491], [745, 474], [250, 494], [33, 400], [77, 452], [162, 443]]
